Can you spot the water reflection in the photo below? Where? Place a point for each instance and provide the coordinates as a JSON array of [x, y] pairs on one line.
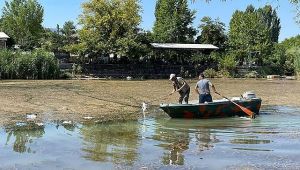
[[249, 141], [117, 143], [68, 125], [176, 135], [23, 134], [205, 139], [175, 143]]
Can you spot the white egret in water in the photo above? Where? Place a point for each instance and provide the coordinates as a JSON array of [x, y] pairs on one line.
[[144, 107]]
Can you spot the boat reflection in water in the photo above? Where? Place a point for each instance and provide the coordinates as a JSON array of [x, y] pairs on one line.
[[181, 138], [175, 137]]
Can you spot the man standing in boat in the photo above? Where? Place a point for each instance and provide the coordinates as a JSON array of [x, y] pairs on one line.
[[202, 88], [181, 87]]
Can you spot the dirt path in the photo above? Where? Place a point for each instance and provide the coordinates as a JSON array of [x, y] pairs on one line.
[[118, 100]]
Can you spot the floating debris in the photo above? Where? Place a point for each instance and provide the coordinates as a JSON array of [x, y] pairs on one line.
[[40, 124], [67, 122], [272, 77], [21, 124], [128, 78], [247, 118], [31, 116], [88, 117]]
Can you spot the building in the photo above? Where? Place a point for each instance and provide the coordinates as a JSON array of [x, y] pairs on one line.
[[3, 39]]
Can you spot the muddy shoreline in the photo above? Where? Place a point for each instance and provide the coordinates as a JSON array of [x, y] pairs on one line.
[[108, 100]]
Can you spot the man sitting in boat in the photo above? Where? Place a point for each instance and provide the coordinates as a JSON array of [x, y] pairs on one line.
[[202, 88], [181, 87]]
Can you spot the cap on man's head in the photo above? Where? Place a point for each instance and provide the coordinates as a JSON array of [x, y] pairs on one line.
[[172, 76]]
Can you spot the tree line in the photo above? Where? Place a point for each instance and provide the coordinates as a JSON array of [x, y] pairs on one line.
[[111, 28]]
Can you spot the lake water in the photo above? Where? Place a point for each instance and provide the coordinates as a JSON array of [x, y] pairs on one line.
[[271, 141]]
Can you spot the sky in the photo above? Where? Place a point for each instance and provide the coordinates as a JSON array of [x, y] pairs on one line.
[[60, 11]]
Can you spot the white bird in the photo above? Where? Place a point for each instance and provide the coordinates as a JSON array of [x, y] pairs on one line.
[[144, 106], [31, 116]]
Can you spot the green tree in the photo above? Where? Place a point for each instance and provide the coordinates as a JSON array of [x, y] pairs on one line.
[[278, 62], [164, 25], [294, 54], [70, 39], [269, 16], [291, 42], [22, 20], [291, 53], [52, 40], [249, 33], [296, 3], [284, 57], [109, 26], [212, 32], [143, 50], [69, 33], [173, 22]]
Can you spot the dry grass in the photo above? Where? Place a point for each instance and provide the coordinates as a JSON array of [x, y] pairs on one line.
[[118, 100]]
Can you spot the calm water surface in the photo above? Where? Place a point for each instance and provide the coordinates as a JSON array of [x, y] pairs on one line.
[[271, 141]]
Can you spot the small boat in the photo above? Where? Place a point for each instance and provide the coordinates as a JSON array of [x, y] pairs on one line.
[[215, 109]]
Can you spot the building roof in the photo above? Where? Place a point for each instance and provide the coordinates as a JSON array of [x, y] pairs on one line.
[[184, 46], [3, 36]]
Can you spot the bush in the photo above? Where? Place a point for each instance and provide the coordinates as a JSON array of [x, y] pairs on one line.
[[224, 74], [211, 73], [297, 60], [66, 75], [264, 71], [252, 74], [228, 63], [37, 64]]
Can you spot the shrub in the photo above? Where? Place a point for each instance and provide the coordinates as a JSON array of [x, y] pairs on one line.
[[66, 75], [297, 61], [252, 74], [264, 71], [224, 74], [211, 73], [228, 63], [38, 64]]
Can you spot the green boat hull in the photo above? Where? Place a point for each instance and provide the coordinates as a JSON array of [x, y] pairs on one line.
[[211, 110]]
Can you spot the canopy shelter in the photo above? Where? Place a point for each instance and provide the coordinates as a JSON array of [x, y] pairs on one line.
[[184, 46], [3, 39]]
